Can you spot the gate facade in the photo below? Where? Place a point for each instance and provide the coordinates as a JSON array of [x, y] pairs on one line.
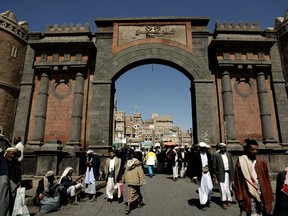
[[66, 99]]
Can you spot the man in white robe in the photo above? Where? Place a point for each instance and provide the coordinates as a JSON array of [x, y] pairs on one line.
[[112, 174], [223, 165], [202, 173]]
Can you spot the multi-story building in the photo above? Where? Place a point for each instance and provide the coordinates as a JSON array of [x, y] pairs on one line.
[[158, 129]]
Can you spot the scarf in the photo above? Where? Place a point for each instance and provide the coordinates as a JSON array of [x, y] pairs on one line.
[[248, 170], [66, 171], [46, 181]]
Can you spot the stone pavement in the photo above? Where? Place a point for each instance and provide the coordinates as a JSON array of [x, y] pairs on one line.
[[161, 196]]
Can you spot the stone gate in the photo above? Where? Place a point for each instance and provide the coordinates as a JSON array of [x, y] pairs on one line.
[[66, 98]]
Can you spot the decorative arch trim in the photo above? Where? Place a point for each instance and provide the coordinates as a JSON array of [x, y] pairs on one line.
[[182, 59]]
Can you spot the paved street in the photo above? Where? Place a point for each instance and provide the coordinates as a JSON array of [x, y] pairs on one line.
[[161, 196]]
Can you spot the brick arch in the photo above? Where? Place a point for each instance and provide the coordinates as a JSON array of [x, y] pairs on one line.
[[183, 60]]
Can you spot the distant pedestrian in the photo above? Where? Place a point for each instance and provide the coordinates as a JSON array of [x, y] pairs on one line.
[[224, 170], [112, 174], [150, 160], [92, 173], [202, 172], [176, 157], [134, 178], [161, 158], [183, 162], [281, 207], [252, 185], [169, 152]]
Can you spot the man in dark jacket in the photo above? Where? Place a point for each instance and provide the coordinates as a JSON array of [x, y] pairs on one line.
[[223, 165], [202, 173]]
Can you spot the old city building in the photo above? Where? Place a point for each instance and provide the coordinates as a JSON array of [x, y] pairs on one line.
[[57, 87], [158, 129]]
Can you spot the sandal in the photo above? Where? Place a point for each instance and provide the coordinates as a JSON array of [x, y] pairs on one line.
[[127, 211]]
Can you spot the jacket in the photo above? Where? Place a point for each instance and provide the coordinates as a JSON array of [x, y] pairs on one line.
[[241, 191], [150, 158], [117, 175], [196, 168], [219, 167], [134, 174]]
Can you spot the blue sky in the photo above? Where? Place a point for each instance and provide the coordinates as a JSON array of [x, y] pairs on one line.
[[148, 88]]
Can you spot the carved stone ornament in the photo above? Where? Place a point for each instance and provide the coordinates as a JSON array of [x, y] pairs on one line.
[[61, 89], [154, 31], [248, 84]]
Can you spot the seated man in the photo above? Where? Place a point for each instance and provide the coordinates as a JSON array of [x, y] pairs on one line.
[[72, 187], [46, 187]]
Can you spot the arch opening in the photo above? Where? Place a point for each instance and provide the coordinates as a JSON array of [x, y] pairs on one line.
[[159, 92]]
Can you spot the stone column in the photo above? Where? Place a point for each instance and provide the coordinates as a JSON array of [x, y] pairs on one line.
[[228, 108], [40, 118], [75, 132], [265, 115], [101, 116], [205, 113]]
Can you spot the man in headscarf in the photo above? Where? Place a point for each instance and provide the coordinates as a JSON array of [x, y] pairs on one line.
[[112, 174], [72, 187], [45, 187], [252, 184], [92, 173], [224, 170], [134, 178], [12, 155], [202, 173]]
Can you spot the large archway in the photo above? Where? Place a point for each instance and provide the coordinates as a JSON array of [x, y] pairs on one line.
[[103, 89]]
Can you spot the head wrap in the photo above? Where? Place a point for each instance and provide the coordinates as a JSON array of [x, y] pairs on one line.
[[89, 152], [49, 173], [222, 145], [202, 144], [46, 181], [12, 149], [208, 146], [66, 171]]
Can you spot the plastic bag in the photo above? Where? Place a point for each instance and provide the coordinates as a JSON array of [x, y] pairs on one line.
[[49, 204], [20, 207]]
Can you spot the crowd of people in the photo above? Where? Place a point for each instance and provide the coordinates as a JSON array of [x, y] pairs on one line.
[[248, 179]]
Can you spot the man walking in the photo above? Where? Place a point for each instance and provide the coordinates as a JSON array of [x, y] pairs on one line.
[[252, 188], [202, 172], [223, 165], [151, 160], [112, 174]]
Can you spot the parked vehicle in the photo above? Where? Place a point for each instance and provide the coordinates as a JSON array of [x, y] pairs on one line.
[[4, 143]]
